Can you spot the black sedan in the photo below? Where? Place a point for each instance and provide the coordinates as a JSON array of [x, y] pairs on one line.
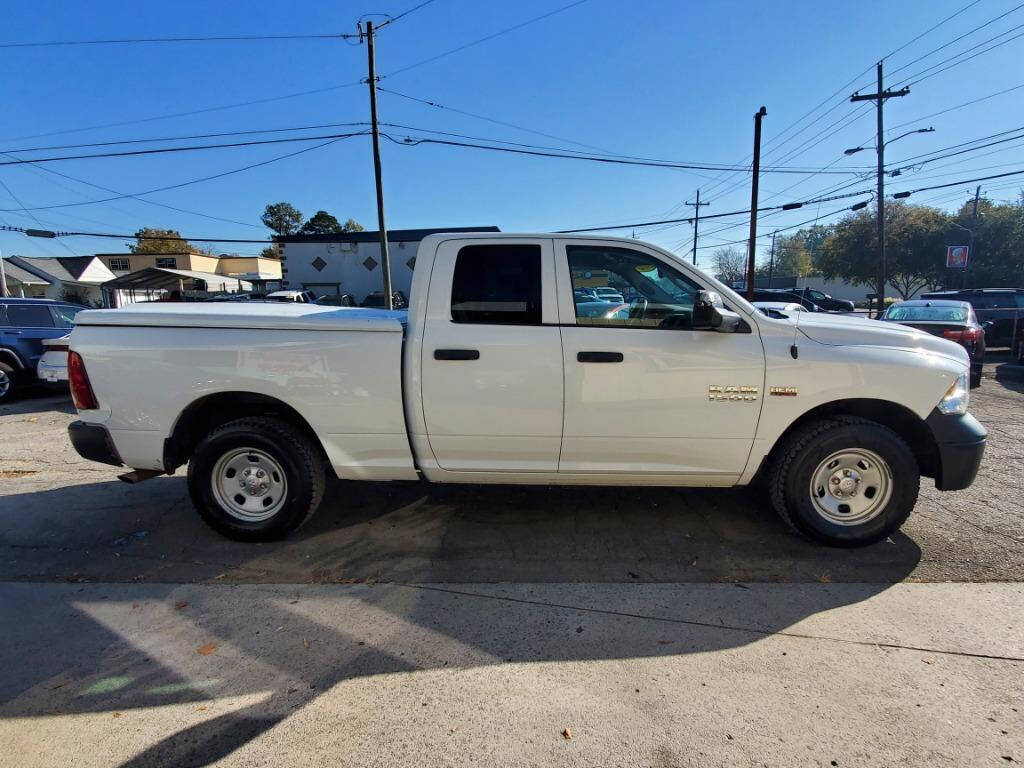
[[953, 320]]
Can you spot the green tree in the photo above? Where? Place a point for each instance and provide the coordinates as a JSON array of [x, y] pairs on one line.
[[321, 223], [998, 257], [353, 226], [915, 246], [163, 241], [282, 218]]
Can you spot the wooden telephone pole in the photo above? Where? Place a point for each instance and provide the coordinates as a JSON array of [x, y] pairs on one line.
[[385, 261], [696, 219], [753, 201]]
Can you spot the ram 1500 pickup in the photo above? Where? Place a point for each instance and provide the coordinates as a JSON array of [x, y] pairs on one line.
[[505, 369]]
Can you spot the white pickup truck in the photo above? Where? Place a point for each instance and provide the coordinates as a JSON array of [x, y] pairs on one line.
[[506, 369]]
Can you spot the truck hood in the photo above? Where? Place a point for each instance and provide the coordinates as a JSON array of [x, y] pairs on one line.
[[248, 314], [851, 331]]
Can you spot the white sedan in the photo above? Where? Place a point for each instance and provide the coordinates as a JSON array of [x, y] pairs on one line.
[[53, 365]]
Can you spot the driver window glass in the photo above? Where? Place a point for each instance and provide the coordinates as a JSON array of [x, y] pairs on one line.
[[621, 288]]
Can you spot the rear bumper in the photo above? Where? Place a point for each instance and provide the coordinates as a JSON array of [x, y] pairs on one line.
[[961, 444], [93, 442]]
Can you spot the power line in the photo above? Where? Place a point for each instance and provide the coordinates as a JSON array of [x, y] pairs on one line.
[[221, 134], [931, 29], [956, 107], [202, 39], [415, 141], [143, 237], [403, 14], [917, 77], [786, 207], [485, 39], [958, 183], [194, 148], [190, 182]]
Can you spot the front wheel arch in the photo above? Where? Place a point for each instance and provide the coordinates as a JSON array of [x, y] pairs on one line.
[[900, 419]]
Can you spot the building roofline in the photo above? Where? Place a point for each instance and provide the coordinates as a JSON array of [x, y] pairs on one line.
[[394, 235]]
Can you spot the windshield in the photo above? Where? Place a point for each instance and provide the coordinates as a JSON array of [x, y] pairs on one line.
[[923, 313]]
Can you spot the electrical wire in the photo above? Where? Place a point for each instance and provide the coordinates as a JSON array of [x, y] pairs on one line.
[[403, 14], [194, 148], [484, 39], [135, 40], [191, 181]]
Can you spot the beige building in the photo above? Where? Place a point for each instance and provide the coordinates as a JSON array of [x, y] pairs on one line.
[[226, 264]]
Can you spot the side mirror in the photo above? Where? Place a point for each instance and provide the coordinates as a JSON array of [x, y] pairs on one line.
[[987, 324], [710, 314]]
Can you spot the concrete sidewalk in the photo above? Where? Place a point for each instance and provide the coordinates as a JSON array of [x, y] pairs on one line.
[[432, 675]]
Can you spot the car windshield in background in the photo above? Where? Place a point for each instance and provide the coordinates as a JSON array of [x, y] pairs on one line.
[[927, 314]]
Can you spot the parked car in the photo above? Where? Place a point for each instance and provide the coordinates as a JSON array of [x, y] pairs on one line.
[[822, 300], [776, 295], [53, 365], [298, 297], [375, 300], [607, 293], [585, 294], [24, 324], [779, 309], [493, 377], [1003, 306], [953, 320], [344, 300]]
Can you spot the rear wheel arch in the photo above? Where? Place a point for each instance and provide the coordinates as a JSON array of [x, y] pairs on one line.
[[206, 414], [10, 357], [900, 419]]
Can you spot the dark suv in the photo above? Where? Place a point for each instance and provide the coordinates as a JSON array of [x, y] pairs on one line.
[[1003, 306], [822, 300], [24, 323]]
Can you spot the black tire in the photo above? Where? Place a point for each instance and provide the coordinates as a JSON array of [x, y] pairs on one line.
[[8, 383], [803, 453], [295, 454], [975, 379]]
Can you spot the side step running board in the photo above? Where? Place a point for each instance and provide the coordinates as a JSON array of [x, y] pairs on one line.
[[138, 475]]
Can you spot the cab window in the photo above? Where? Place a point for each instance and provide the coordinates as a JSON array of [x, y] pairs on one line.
[[497, 285], [622, 288]]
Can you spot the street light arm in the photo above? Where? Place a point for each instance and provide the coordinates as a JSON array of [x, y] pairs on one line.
[[908, 133]]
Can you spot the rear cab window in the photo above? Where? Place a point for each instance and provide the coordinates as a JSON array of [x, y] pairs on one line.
[[497, 285]]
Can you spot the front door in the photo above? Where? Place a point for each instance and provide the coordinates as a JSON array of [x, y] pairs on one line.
[[644, 393], [492, 357]]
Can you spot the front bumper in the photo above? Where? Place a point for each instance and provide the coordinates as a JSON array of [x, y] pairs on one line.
[[961, 444], [92, 441]]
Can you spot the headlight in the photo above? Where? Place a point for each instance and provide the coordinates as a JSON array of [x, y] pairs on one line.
[[954, 402]]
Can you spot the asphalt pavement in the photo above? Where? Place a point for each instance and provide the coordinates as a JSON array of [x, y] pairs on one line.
[[409, 624]]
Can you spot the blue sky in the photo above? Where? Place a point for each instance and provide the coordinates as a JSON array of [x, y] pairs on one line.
[[663, 79]]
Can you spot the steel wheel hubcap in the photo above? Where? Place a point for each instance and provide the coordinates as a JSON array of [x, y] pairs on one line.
[[5, 383], [249, 484], [851, 486]]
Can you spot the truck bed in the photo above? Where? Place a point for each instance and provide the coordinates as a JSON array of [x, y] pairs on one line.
[[338, 368]]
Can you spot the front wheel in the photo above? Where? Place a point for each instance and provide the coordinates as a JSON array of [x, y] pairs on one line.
[[845, 481], [256, 479], [6, 382]]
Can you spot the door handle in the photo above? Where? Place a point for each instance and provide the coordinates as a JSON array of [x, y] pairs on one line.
[[599, 357], [456, 354]]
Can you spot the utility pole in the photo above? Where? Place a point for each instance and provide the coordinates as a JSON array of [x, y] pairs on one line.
[[771, 260], [753, 201], [3, 277], [385, 262], [970, 244], [696, 218], [879, 99]]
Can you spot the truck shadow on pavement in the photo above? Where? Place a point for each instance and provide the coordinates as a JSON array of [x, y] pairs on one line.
[[165, 623]]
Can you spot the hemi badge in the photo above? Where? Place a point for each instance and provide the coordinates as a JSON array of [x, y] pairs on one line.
[[782, 391]]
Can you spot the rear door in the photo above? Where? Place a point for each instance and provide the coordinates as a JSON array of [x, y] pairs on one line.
[[492, 357], [645, 394]]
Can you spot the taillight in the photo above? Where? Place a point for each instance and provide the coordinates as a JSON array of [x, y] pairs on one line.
[[81, 389], [967, 336]]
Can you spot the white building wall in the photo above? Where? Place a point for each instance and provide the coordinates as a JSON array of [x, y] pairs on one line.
[[352, 268]]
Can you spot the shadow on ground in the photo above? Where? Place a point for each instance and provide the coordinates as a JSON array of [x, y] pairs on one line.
[[417, 532]]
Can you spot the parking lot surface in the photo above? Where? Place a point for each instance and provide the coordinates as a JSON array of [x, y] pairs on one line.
[[410, 624], [66, 519]]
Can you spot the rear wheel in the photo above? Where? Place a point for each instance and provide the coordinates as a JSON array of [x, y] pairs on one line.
[[845, 481], [975, 378], [7, 386], [256, 479]]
